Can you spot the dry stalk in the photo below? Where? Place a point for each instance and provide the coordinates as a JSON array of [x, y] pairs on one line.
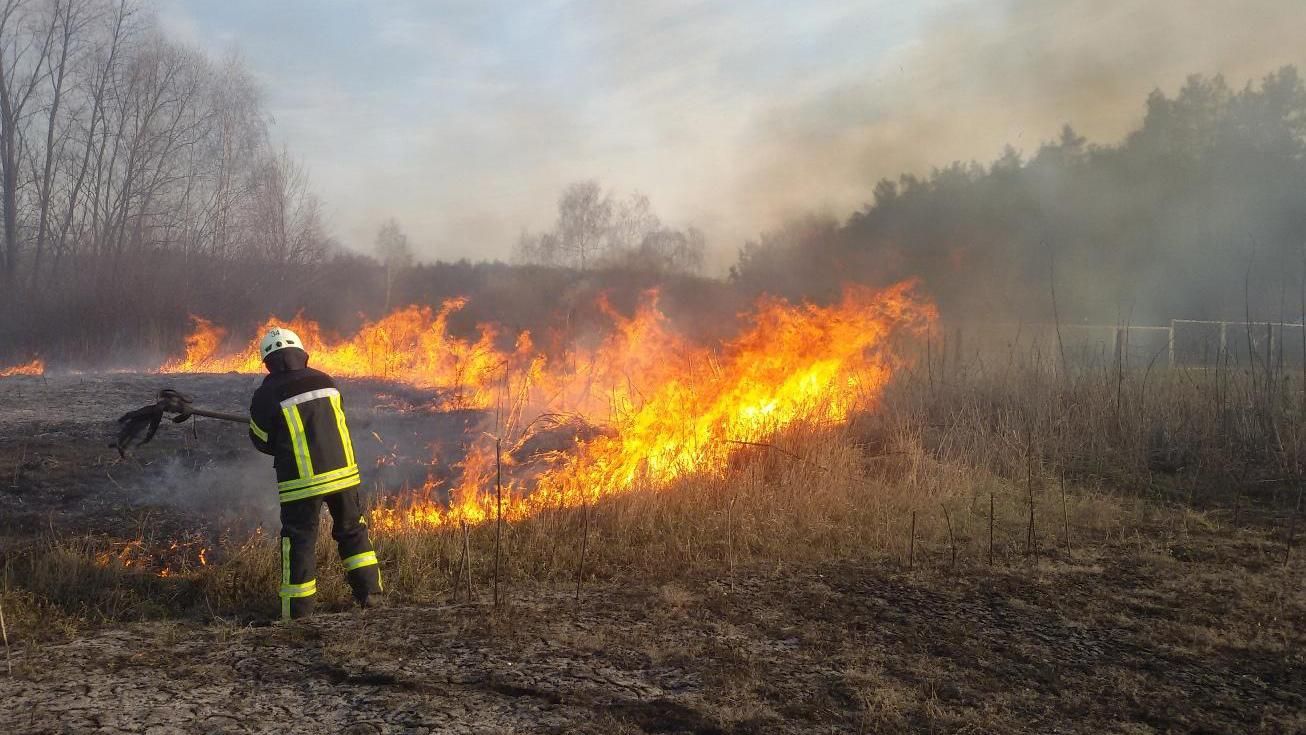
[[4, 630], [1292, 527], [467, 562], [911, 543], [952, 539], [781, 450], [1029, 483], [990, 529], [584, 546], [18, 465], [1056, 314], [929, 362], [1065, 514], [498, 514]]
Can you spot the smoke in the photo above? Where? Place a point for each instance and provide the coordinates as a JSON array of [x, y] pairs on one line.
[[235, 492], [983, 75], [464, 121], [222, 483]]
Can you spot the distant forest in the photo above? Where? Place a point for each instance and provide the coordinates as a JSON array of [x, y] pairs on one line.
[[1199, 213]]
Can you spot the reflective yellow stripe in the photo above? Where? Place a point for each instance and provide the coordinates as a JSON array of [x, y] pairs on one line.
[[344, 429], [342, 484], [260, 433], [285, 576], [299, 440], [307, 589], [317, 479], [365, 559], [312, 395]]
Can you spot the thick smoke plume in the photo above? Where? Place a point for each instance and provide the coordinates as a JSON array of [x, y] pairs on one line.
[[984, 75]]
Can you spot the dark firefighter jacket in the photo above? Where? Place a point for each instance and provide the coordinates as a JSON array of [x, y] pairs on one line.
[[296, 417]]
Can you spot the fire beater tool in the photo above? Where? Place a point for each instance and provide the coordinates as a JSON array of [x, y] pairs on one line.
[[146, 420]]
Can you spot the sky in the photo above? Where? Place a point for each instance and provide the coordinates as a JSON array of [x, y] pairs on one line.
[[465, 120]]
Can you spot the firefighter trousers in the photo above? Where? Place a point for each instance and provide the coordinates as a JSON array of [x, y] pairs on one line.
[[299, 519]]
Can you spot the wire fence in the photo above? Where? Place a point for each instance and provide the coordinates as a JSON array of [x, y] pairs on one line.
[[1182, 343]]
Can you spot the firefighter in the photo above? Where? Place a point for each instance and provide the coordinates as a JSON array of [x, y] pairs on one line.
[[296, 416]]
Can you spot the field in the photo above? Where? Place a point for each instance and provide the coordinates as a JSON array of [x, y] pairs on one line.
[[998, 550]]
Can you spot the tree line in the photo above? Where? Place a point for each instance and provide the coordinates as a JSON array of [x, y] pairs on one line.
[[118, 144], [1200, 212]]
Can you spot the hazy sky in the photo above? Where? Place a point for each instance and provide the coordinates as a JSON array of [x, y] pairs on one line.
[[464, 120]]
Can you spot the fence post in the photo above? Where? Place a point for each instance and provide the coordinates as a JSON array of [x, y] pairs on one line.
[[1171, 343], [943, 357], [1269, 353], [956, 347]]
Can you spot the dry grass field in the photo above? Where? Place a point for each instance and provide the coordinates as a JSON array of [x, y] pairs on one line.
[[997, 549]]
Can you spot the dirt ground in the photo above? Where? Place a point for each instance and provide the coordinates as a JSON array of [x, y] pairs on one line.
[[1058, 648], [1202, 632]]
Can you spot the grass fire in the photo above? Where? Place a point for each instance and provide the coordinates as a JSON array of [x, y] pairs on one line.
[[662, 407], [35, 367], [824, 367]]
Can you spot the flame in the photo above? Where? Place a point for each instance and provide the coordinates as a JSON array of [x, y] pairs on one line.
[[126, 554], [676, 409], [670, 408], [135, 554], [411, 345], [35, 367], [471, 502], [796, 363]]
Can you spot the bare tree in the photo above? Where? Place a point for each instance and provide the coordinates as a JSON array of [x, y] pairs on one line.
[[163, 114], [395, 254], [594, 231], [101, 66], [633, 220], [239, 136], [128, 159], [24, 65], [69, 19], [672, 251], [584, 216], [286, 226]]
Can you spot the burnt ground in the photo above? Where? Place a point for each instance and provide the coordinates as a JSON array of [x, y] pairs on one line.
[[1200, 633], [58, 471]]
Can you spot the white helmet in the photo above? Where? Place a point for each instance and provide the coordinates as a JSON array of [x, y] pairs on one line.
[[278, 338]]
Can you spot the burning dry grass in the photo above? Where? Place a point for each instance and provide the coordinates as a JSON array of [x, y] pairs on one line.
[[815, 493], [812, 494], [944, 467], [668, 408], [34, 368], [411, 345]]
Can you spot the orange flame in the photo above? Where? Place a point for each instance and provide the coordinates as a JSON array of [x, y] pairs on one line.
[[411, 345], [126, 554], [677, 409], [136, 555], [671, 408], [35, 367]]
